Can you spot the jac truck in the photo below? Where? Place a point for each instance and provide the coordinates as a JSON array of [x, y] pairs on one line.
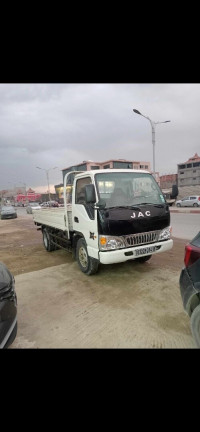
[[109, 216]]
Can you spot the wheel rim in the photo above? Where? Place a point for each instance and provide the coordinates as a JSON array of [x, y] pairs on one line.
[[83, 257]]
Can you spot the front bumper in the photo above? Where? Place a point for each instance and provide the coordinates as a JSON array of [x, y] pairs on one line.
[[9, 216], [122, 255]]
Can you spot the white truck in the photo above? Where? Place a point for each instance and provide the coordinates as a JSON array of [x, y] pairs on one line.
[[109, 216]]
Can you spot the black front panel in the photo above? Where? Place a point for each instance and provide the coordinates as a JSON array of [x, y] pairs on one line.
[[124, 221]]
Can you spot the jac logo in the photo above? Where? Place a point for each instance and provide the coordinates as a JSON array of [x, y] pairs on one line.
[[140, 214]]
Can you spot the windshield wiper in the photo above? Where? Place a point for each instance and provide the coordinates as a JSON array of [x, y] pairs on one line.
[[132, 207], [155, 205]]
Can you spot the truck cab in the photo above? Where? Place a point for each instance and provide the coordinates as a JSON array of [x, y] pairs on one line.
[[120, 215]]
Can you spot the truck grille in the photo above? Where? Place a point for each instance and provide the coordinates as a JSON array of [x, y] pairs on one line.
[[142, 238]]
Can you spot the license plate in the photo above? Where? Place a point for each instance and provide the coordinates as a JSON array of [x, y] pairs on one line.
[[145, 250]]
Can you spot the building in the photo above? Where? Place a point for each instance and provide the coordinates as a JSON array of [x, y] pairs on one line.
[[168, 180], [30, 195], [189, 172], [112, 163]]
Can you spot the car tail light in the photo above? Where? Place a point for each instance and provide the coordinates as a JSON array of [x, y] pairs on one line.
[[199, 198], [192, 254]]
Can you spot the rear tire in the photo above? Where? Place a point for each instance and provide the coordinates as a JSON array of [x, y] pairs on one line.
[[195, 325], [87, 264], [144, 258], [195, 205], [49, 246], [178, 205]]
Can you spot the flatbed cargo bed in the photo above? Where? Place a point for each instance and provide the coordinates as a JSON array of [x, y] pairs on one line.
[[54, 217]]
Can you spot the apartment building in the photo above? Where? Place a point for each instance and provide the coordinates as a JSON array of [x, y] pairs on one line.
[[189, 172], [112, 163]]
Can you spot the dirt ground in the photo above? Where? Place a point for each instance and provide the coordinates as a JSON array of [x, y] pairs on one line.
[[22, 250], [129, 305]]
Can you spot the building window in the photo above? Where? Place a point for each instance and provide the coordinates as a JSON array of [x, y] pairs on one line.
[[141, 166], [189, 165], [146, 166], [196, 164], [181, 172], [95, 167], [181, 166], [194, 171], [122, 165], [106, 166]]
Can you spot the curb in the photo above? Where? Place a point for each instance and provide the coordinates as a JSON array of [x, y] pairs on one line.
[[185, 211]]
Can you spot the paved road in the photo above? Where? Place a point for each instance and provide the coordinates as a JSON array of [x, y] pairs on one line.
[[185, 225]]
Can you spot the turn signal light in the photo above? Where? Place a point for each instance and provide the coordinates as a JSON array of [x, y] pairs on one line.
[[103, 241]]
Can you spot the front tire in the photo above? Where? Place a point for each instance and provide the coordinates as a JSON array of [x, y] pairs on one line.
[[49, 246], [178, 205], [87, 264], [195, 325]]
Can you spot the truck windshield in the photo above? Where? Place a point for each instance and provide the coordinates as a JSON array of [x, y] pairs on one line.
[[127, 189]]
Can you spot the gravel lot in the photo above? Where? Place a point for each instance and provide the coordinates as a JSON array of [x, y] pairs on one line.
[[130, 305]]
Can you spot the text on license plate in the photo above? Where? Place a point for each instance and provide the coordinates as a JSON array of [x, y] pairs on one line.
[[145, 250]]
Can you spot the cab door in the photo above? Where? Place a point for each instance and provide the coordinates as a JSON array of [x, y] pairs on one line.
[[84, 216]]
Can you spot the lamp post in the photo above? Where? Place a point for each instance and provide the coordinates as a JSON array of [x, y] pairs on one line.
[[153, 124], [47, 174]]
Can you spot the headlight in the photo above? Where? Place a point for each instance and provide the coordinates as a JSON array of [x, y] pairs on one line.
[[110, 243], [165, 234]]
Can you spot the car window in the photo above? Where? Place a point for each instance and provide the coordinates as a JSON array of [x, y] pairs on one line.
[[192, 198], [184, 199]]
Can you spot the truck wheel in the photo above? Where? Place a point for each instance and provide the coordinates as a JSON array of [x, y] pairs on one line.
[[87, 264], [49, 246], [144, 258], [195, 325]]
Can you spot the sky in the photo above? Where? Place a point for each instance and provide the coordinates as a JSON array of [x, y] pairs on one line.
[[63, 124]]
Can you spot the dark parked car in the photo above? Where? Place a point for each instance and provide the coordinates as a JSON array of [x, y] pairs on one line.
[[190, 285], [8, 307], [8, 212]]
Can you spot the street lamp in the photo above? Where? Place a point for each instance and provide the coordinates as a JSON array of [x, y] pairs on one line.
[[47, 174], [153, 124]]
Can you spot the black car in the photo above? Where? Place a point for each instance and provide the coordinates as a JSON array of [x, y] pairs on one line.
[[8, 307], [190, 285]]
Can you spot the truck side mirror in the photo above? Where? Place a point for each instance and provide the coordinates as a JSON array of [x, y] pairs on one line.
[[174, 193], [90, 196]]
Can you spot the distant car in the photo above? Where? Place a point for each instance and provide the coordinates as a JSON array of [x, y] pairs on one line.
[[53, 204], [8, 307], [33, 206], [191, 201], [44, 204], [8, 212], [190, 285]]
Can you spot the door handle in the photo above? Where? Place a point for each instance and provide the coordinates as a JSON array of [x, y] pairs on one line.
[[76, 219]]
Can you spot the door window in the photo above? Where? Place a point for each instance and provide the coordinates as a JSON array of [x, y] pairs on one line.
[[80, 189]]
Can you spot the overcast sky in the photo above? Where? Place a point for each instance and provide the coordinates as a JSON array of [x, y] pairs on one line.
[[50, 125]]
